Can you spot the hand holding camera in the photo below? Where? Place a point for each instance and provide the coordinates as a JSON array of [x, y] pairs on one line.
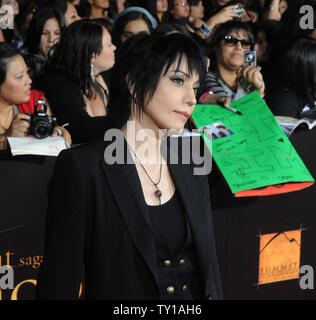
[[251, 72], [226, 14], [19, 128]]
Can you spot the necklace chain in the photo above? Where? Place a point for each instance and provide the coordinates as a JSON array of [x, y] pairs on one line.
[[158, 192]]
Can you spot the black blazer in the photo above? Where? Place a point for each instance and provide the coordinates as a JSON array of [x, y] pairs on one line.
[[98, 229]]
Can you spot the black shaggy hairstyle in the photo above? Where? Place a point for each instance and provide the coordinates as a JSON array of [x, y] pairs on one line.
[[222, 31], [298, 69], [37, 23], [72, 56], [7, 52], [140, 63]]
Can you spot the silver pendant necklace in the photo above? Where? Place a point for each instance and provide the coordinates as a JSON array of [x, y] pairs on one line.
[[158, 192]]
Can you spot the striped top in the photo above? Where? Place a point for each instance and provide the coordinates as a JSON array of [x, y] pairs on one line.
[[215, 84]]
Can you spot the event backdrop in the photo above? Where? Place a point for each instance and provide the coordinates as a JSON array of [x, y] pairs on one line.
[[259, 239]]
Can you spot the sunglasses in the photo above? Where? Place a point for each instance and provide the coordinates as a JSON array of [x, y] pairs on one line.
[[231, 41]]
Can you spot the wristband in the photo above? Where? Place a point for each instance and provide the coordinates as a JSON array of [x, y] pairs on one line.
[[205, 30], [205, 95]]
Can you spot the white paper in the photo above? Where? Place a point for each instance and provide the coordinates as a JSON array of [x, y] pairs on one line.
[[50, 146]]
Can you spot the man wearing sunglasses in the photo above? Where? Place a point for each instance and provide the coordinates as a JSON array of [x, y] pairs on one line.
[[228, 79]]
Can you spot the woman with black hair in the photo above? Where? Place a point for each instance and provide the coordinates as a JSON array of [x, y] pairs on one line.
[[93, 9], [66, 7], [130, 22], [157, 8], [16, 97], [288, 31], [116, 7], [76, 92], [294, 94], [135, 229], [228, 80], [46, 28]]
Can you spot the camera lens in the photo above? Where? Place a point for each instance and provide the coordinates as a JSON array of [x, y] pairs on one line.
[[249, 58], [41, 130]]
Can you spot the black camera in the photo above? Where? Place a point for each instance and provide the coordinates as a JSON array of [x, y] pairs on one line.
[[41, 124]]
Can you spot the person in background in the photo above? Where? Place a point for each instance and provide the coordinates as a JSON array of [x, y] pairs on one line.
[[294, 93], [265, 35], [116, 7], [66, 7], [228, 80], [46, 28], [130, 22], [93, 9], [197, 11], [274, 9], [157, 8], [137, 229], [179, 12], [72, 83], [17, 98], [288, 31]]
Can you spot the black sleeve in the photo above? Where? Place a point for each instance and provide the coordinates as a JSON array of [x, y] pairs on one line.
[[67, 104], [284, 103], [61, 272]]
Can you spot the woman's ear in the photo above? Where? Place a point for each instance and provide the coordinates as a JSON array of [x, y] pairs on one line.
[[130, 86]]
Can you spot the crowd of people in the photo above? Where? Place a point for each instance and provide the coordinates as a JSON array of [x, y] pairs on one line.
[[60, 39], [102, 63]]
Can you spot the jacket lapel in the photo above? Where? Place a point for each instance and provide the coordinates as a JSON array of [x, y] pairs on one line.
[[125, 184], [190, 193]]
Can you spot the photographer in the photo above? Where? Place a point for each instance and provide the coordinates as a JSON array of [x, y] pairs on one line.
[[17, 98], [229, 79]]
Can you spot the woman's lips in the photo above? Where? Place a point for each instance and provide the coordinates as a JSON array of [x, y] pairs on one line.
[[183, 114]]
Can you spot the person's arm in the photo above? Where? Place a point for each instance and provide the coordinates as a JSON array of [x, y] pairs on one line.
[[213, 90], [226, 14], [213, 84], [3, 142], [2, 39], [18, 128], [62, 269], [273, 12]]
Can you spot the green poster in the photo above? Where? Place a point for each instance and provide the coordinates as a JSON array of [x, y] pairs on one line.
[[251, 150]]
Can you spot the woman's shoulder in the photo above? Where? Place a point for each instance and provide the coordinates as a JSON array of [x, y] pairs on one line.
[[284, 101], [86, 155]]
